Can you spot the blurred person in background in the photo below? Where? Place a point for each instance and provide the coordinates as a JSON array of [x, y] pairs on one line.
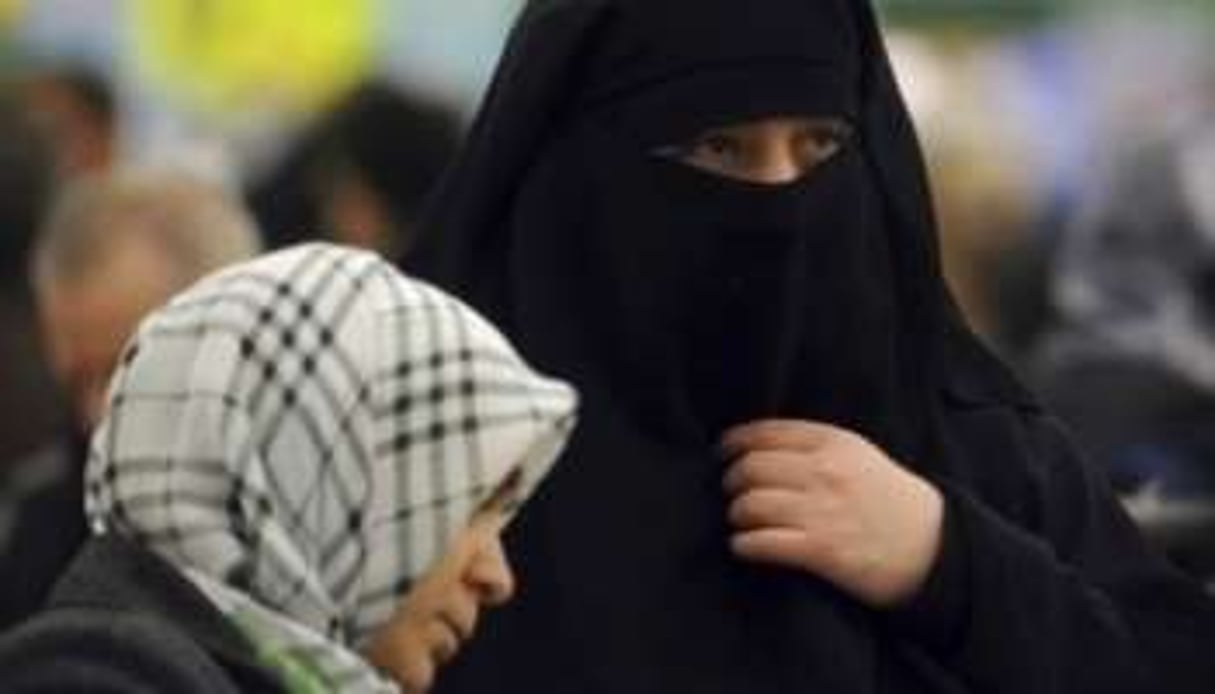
[[382, 151], [1129, 361], [361, 173], [339, 448], [797, 469], [1128, 355], [283, 199], [75, 107], [115, 246]]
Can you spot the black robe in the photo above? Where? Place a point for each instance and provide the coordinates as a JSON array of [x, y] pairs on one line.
[[626, 583]]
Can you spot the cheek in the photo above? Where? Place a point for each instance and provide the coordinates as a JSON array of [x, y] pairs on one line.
[[403, 650], [447, 578], [429, 594]]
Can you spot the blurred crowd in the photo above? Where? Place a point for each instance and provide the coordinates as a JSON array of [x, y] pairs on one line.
[[1075, 165], [1078, 229]]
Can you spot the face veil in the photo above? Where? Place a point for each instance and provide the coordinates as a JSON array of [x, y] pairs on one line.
[[712, 301]]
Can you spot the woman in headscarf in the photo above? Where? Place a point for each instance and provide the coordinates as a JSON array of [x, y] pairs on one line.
[[298, 486], [796, 469]]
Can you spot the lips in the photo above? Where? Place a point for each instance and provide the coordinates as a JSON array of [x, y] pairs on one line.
[[446, 643], [453, 632]]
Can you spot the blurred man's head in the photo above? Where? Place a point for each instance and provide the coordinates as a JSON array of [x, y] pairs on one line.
[[115, 247], [76, 109], [381, 152]]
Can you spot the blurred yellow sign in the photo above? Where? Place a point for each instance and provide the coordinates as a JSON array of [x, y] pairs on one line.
[[231, 54], [10, 11]]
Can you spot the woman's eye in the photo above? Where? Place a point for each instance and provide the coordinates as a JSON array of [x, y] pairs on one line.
[[716, 147], [818, 144], [711, 150], [769, 151]]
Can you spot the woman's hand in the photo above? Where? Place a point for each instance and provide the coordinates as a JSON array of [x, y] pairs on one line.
[[822, 499]]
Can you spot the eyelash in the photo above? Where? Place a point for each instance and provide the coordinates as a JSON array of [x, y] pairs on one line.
[[692, 149], [715, 144]]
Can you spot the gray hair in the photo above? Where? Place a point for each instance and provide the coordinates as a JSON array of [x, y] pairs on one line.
[[199, 226]]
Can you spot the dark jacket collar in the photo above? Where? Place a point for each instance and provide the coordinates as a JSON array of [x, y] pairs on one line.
[[113, 573]]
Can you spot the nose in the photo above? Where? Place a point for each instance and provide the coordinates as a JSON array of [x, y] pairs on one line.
[[777, 162], [490, 575]]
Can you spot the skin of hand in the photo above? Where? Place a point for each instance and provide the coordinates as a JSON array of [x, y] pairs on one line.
[[822, 499]]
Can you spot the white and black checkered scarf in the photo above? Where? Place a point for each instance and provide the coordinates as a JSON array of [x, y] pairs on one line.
[[304, 434]]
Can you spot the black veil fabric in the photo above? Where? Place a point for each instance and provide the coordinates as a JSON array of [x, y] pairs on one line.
[[626, 581]]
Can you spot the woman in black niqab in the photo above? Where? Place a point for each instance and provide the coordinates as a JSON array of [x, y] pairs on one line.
[[683, 303]]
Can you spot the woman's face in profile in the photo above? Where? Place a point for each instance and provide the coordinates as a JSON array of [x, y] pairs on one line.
[[441, 610], [770, 151]]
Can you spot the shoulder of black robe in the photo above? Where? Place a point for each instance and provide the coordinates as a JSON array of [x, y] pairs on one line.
[[1026, 511]]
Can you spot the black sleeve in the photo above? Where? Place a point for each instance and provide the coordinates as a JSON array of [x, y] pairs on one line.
[[93, 650], [1063, 597]]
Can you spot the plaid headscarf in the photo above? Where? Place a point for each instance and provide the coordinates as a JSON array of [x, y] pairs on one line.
[[304, 434]]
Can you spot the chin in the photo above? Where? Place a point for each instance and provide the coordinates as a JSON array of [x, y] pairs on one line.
[[421, 682]]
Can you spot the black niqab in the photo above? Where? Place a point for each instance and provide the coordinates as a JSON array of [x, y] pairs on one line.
[[681, 303]]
